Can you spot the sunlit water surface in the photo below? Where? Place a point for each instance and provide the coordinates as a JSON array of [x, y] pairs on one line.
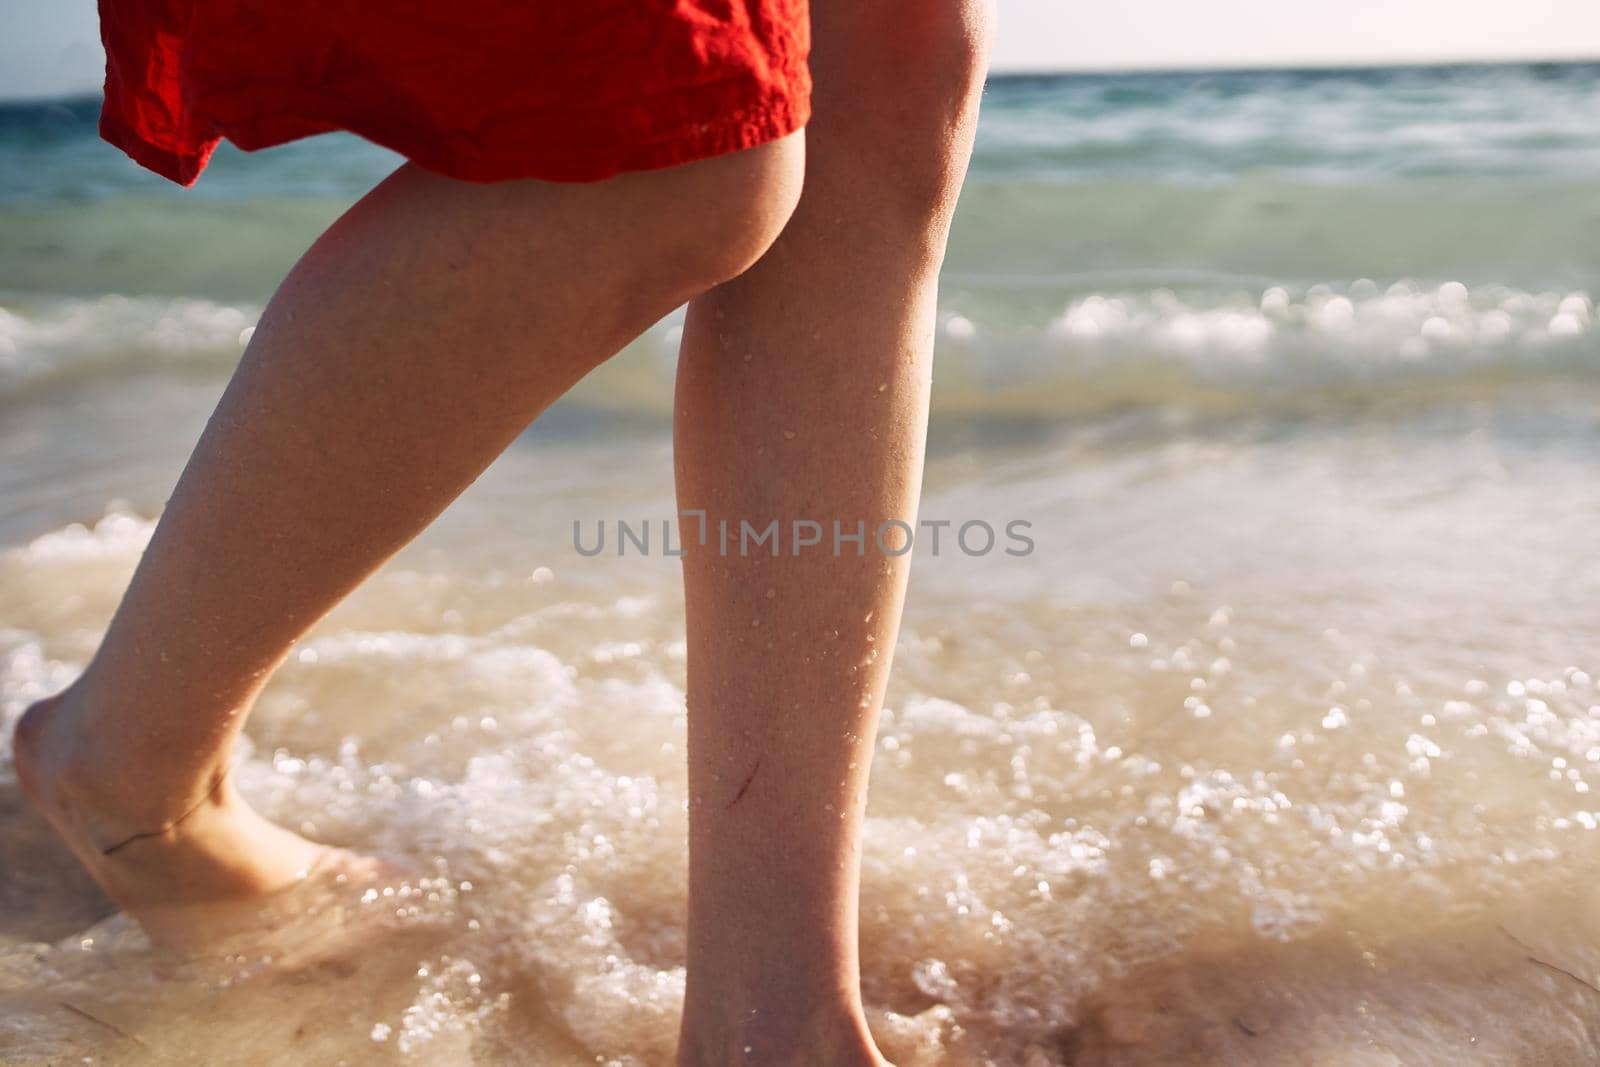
[[1277, 749]]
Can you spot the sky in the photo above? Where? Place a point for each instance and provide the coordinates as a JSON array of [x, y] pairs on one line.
[[51, 47]]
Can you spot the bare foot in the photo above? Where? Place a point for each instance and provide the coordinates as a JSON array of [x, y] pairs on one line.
[[216, 877]]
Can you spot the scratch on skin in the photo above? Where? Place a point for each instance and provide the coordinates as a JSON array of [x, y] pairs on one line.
[[1546, 963], [115, 1029], [743, 789], [170, 826]]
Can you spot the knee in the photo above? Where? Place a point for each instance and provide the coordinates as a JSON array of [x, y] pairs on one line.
[[898, 84], [731, 208], [936, 69], [937, 56]]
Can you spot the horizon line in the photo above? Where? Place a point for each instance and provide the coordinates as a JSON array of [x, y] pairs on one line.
[[1295, 66], [1330, 66]]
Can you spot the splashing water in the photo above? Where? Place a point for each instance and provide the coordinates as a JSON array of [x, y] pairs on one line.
[[1279, 747]]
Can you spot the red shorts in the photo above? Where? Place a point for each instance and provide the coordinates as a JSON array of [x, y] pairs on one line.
[[483, 90]]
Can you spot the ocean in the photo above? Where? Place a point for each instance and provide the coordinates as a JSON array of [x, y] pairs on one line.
[[1275, 748]]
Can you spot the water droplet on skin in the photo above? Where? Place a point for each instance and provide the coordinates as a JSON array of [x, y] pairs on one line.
[[748, 356], [884, 387], [788, 435], [771, 593]]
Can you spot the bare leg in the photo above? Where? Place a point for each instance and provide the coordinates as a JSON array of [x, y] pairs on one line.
[[407, 348], [802, 394]]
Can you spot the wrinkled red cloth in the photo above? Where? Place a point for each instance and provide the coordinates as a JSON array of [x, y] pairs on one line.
[[483, 90]]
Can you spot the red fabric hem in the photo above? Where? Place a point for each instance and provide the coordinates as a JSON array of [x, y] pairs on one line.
[[183, 169], [683, 140]]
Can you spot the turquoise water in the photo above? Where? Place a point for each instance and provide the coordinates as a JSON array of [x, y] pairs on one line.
[[1183, 198], [1277, 750], [1320, 126]]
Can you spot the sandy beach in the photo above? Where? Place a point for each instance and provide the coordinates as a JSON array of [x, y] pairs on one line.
[[1277, 746]]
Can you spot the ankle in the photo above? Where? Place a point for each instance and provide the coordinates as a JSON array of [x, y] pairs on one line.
[[63, 761], [791, 1034]]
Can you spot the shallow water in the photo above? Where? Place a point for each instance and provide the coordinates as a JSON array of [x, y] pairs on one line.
[[1278, 748]]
